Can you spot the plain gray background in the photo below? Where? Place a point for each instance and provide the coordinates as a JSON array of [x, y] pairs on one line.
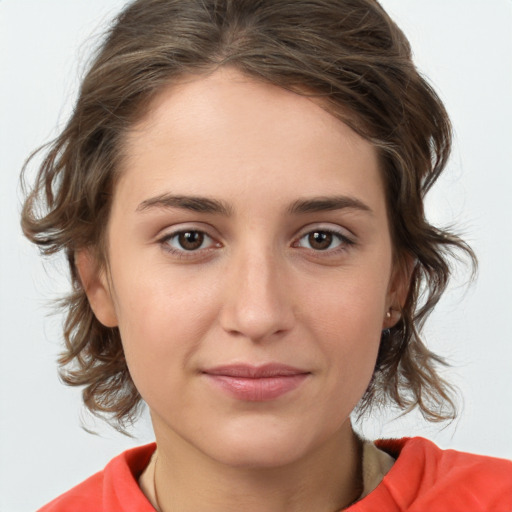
[[463, 46]]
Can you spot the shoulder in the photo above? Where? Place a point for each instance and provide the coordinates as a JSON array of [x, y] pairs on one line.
[[440, 465], [114, 488], [425, 477]]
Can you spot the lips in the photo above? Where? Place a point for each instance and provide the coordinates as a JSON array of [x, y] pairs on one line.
[[256, 383]]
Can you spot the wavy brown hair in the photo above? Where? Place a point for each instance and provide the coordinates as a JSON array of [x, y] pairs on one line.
[[346, 53]]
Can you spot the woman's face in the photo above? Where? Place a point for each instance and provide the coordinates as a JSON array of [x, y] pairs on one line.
[[250, 269]]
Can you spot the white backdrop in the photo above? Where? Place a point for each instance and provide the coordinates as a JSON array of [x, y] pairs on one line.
[[463, 46]]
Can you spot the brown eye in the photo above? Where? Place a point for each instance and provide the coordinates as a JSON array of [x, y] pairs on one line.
[[323, 240], [320, 240], [190, 240], [193, 243]]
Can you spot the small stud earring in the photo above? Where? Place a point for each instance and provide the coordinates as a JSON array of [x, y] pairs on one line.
[[388, 314]]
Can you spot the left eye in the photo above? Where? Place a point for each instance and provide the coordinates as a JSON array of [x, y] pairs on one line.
[[189, 240], [321, 240]]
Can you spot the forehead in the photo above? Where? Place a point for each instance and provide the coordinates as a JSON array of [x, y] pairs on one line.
[[229, 129], [227, 95]]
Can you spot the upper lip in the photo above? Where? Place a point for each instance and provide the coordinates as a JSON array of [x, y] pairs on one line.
[[247, 371]]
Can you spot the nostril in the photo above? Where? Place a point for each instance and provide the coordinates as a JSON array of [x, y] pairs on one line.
[[256, 303]]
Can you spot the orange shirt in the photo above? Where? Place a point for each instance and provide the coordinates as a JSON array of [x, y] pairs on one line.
[[424, 478]]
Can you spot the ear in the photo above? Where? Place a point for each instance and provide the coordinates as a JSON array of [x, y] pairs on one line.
[[398, 291], [96, 287]]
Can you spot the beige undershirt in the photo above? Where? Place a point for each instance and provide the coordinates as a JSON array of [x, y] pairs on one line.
[[376, 464]]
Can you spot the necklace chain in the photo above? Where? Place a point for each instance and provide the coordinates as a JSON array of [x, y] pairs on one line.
[[155, 493]]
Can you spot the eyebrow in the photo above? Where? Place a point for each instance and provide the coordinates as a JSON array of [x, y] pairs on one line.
[[192, 203], [207, 205], [328, 203]]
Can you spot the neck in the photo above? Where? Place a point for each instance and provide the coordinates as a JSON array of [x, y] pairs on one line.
[[327, 479]]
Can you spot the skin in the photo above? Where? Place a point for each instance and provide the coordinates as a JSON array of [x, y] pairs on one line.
[[255, 291]]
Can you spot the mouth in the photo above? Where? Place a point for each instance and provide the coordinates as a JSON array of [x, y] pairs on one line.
[[256, 383]]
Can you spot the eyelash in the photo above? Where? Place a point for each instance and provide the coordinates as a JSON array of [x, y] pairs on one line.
[[343, 244], [182, 252]]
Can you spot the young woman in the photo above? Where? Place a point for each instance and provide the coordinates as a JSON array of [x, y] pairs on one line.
[[240, 196]]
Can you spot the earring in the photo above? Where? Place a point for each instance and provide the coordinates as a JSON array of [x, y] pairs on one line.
[[388, 315]]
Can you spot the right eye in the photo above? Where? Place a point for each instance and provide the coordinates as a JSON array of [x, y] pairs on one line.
[[187, 240]]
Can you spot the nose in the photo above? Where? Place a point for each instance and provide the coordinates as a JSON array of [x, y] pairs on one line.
[[258, 303]]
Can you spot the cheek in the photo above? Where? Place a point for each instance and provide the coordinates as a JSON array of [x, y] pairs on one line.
[[346, 321], [349, 306], [161, 324]]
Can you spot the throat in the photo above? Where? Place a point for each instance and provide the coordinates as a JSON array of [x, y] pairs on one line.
[[333, 485]]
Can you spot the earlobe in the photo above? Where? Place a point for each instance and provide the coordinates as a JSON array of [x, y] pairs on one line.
[[96, 287], [398, 290], [391, 318]]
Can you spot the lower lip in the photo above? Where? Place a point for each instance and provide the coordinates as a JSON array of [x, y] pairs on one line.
[[258, 389]]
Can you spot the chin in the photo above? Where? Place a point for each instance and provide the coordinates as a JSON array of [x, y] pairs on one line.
[[264, 446], [266, 454]]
